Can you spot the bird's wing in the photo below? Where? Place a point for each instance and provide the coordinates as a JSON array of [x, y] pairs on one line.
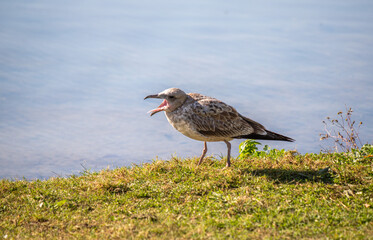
[[212, 117]]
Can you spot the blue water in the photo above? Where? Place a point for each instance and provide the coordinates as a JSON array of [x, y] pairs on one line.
[[73, 75]]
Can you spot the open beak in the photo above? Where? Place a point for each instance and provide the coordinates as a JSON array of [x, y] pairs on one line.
[[160, 108]]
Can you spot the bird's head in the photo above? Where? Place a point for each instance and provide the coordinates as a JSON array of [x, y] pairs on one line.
[[173, 98]]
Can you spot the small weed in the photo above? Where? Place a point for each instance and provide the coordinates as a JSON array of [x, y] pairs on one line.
[[365, 153], [342, 131], [248, 148]]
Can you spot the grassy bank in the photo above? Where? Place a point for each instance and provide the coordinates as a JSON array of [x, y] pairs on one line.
[[279, 197]]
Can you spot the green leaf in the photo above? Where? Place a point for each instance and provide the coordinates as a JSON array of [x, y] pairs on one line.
[[61, 203]]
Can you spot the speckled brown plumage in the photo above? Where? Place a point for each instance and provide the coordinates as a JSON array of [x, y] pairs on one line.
[[208, 119]]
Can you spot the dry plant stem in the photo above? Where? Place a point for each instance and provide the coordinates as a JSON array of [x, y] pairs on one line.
[[347, 137]]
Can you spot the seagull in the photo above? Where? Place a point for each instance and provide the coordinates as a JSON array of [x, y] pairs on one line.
[[208, 119]]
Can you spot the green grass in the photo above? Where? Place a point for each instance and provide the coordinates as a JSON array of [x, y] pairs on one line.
[[288, 196]]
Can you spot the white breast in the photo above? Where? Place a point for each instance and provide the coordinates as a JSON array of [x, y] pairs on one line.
[[181, 124]]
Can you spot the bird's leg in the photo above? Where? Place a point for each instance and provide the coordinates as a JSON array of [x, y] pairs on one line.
[[203, 154], [229, 153]]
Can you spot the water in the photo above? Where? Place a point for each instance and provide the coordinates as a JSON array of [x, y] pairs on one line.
[[73, 75]]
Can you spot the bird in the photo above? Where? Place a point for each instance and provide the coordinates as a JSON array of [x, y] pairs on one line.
[[208, 119]]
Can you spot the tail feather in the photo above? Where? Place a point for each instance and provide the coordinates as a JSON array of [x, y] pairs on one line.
[[269, 136], [261, 133]]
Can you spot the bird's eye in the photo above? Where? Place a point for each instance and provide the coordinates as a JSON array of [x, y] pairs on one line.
[[171, 97]]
